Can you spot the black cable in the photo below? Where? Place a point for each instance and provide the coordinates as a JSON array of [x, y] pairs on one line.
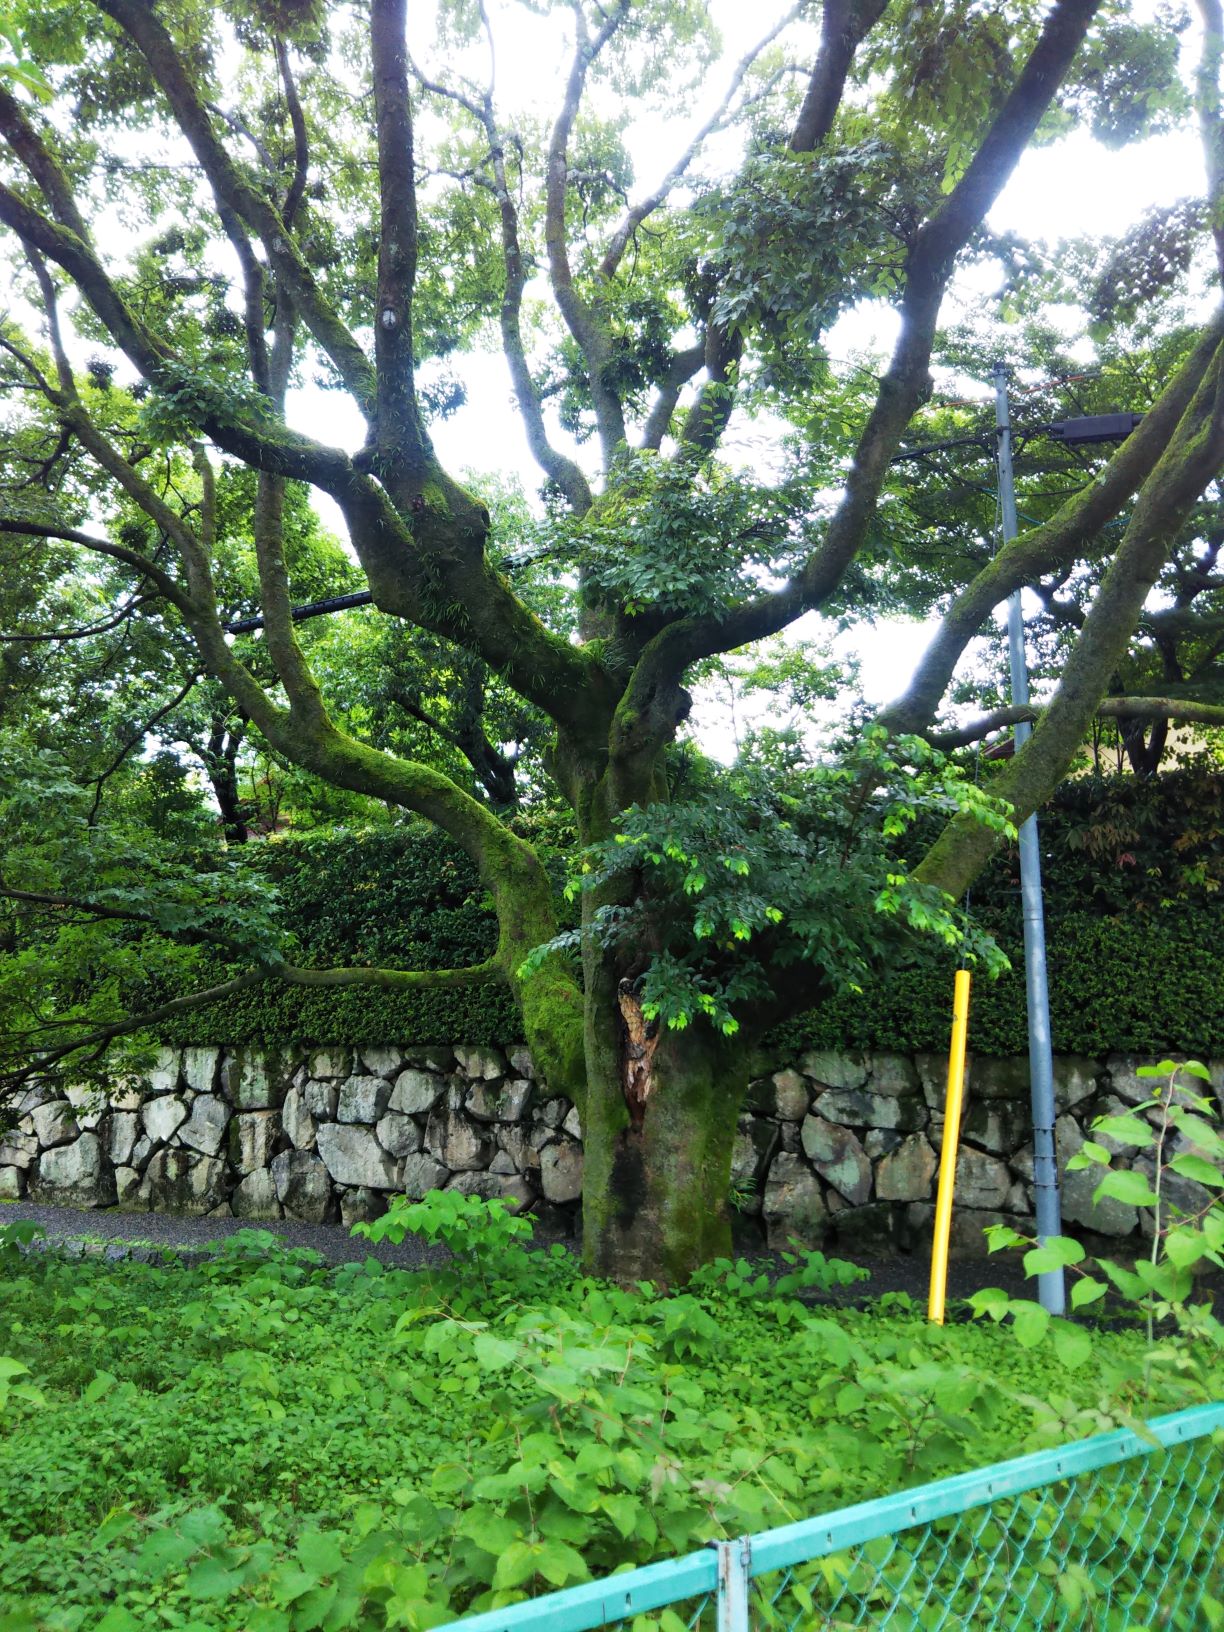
[[312, 609]]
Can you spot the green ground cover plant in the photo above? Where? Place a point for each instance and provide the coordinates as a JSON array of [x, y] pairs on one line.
[[1173, 1139], [261, 1444]]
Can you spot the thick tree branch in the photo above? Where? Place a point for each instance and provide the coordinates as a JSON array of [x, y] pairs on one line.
[[53, 636], [557, 466], [684, 365], [167, 586], [46, 1060], [1211, 124], [406, 562], [1109, 708], [707, 419], [928, 268], [301, 147], [232, 191], [844, 25], [488, 973], [266, 447], [397, 431], [639, 212], [1193, 458], [30, 148], [479, 610], [493, 769], [585, 326], [301, 688], [1053, 545]]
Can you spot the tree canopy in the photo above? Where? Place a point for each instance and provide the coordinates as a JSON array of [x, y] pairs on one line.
[[218, 214]]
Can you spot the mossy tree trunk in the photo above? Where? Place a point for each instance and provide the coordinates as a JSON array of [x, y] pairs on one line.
[[659, 1128]]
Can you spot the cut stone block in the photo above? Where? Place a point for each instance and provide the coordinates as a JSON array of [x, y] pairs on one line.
[[54, 1124], [297, 1121], [416, 1092], [163, 1117], [907, 1173], [561, 1171], [420, 1174], [857, 1108], [181, 1181], [488, 1063], [834, 1070], [204, 1129], [252, 1139], [201, 1068], [398, 1135], [256, 1197], [893, 1075], [303, 1186], [498, 1102], [382, 1062], [793, 1207], [362, 1099], [353, 1156], [838, 1157]]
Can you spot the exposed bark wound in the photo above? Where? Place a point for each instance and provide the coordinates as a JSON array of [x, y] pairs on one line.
[[637, 1054]]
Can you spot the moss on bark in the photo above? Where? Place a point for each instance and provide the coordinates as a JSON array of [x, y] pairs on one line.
[[655, 1189]]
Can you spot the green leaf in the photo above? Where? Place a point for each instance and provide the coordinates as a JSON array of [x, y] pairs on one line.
[[319, 1553], [167, 1550], [1195, 1068], [1134, 1189], [212, 1578], [494, 1353], [559, 1563], [1030, 1322], [1086, 1290], [516, 1565], [1185, 1247], [118, 1619], [1072, 1344], [102, 1384], [1001, 1236], [1197, 1168], [623, 1511], [1126, 1130], [1089, 1154], [492, 1532], [990, 1300], [1059, 1252]]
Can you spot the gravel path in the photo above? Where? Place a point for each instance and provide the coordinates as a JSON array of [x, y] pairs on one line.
[[146, 1235]]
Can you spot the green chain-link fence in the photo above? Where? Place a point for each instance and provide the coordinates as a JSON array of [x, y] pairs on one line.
[[1123, 1532]]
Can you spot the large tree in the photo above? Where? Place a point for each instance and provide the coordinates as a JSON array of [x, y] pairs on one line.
[[233, 200]]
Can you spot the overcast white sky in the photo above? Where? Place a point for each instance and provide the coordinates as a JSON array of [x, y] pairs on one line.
[[1071, 188]]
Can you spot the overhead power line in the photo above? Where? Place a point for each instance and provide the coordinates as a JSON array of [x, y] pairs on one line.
[[311, 609]]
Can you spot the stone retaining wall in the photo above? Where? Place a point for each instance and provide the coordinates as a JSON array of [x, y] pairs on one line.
[[835, 1149]]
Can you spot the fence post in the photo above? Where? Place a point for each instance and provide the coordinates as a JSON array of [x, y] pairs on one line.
[[733, 1560]]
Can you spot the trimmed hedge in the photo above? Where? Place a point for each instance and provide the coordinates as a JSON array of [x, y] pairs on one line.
[[1135, 966], [1150, 983], [404, 898]]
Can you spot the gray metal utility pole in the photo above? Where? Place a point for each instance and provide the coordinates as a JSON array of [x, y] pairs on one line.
[[1050, 1286]]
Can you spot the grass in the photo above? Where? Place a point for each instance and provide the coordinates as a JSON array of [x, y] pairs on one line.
[[259, 1443]]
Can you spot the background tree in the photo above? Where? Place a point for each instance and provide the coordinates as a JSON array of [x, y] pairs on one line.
[[307, 201]]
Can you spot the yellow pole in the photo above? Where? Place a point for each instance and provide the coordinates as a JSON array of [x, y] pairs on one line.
[[947, 1154]]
